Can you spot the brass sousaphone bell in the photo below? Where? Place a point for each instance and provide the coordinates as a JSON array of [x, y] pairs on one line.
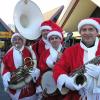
[[27, 19]]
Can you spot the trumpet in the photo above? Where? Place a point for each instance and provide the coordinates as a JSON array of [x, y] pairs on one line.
[[80, 78], [78, 74], [20, 77]]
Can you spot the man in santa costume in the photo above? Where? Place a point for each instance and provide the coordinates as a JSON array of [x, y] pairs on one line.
[[51, 56], [74, 57], [13, 60], [43, 43]]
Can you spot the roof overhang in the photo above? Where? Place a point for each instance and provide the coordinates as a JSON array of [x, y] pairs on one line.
[[77, 10]]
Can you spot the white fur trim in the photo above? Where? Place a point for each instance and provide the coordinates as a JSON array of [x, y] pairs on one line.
[[89, 21], [49, 62], [47, 43], [89, 53], [6, 78], [52, 57], [39, 89], [61, 81], [17, 57], [54, 33], [45, 28]]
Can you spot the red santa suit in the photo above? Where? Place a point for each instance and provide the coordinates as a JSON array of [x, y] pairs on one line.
[[39, 47], [11, 61], [43, 44], [72, 59], [47, 61]]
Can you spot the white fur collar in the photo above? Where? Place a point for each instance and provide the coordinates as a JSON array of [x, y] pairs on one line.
[[90, 52], [94, 47], [51, 60], [17, 56], [47, 44]]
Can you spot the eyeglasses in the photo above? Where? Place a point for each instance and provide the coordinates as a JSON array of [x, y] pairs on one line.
[[16, 39], [54, 38]]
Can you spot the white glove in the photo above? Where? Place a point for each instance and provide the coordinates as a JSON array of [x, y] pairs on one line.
[[71, 84], [93, 70], [6, 79], [39, 89], [35, 73]]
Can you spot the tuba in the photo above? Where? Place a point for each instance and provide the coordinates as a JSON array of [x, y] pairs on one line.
[[27, 19]]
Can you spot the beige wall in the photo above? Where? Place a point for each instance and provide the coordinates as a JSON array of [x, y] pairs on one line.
[[83, 10]]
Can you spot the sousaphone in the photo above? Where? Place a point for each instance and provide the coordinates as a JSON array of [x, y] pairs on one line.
[[27, 19]]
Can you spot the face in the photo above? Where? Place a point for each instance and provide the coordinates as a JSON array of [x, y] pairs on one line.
[[44, 33], [17, 42], [88, 34], [55, 41]]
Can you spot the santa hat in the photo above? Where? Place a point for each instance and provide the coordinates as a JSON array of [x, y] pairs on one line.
[[91, 21], [46, 25], [56, 31], [49, 25], [17, 34]]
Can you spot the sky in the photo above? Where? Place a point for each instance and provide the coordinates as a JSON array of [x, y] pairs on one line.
[[7, 7]]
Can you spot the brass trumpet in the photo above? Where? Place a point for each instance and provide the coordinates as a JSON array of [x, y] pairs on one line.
[[80, 78], [20, 77]]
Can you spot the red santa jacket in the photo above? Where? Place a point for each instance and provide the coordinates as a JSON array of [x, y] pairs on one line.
[[39, 48], [71, 60], [9, 66], [42, 63]]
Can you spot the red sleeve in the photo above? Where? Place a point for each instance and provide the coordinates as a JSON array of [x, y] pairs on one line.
[[42, 62], [63, 66], [4, 66]]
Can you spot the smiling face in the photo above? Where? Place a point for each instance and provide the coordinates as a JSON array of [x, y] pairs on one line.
[[88, 34], [55, 41]]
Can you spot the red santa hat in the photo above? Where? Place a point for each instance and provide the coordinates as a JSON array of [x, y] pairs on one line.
[[91, 21], [46, 25], [56, 31], [17, 34], [49, 25]]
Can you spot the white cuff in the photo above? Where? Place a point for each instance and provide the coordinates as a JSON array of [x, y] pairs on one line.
[[39, 89], [6, 78], [60, 82]]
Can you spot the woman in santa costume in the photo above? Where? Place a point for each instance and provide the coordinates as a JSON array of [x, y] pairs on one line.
[[13, 60], [51, 56], [77, 55]]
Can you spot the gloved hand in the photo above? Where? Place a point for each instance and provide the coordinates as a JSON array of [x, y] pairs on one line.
[[6, 79], [39, 89], [39, 92], [71, 84], [35, 73], [93, 70]]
